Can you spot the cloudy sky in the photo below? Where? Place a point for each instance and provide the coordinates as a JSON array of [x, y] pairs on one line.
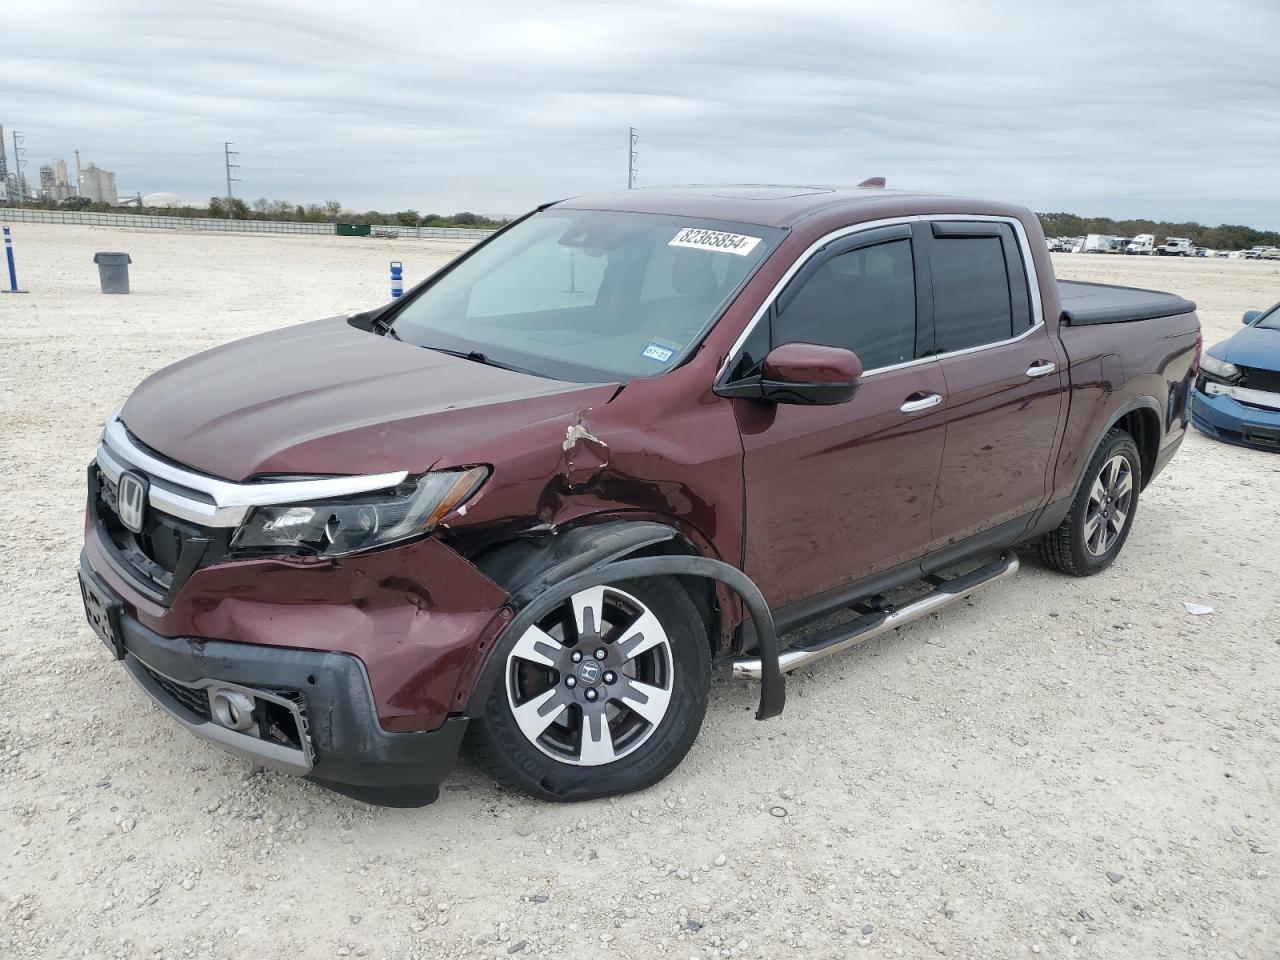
[[1162, 109]]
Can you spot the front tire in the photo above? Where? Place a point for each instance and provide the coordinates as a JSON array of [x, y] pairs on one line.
[[602, 696], [1093, 532]]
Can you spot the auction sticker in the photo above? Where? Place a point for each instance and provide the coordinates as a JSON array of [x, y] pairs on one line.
[[700, 239]]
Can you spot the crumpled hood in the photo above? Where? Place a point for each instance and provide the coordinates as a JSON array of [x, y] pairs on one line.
[[326, 398], [1251, 347]]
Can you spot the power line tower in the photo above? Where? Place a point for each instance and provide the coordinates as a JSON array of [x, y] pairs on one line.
[[19, 152], [4, 170], [632, 156], [227, 154]]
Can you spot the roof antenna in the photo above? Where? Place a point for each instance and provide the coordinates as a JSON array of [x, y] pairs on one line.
[[872, 182]]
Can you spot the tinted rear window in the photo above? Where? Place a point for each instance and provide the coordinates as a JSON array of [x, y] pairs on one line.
[[980, 287], [970, 292]]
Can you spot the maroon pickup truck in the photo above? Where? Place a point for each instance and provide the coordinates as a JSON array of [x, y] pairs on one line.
[[529, 504]]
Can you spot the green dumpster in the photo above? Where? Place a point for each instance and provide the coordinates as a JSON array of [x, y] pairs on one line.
[[352, 229]]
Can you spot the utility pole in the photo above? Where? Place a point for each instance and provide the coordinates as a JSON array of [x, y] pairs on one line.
[[632, 157], [18, 153], [4, 170], [228, 153], [78, 173]]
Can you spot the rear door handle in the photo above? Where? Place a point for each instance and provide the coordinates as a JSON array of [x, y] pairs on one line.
[[919, 402], [1041, 368]]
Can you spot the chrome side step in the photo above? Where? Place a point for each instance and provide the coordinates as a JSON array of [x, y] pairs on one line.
[[846, 635]]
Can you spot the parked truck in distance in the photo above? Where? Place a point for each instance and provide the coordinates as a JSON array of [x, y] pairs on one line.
[[528, 504], [1141, 245], [1098, 243], [1175, 247]]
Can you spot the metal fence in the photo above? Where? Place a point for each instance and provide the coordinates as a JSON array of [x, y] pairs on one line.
[[138, 221]]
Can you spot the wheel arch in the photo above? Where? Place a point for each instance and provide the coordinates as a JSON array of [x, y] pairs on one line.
[[537, 575], [1142, 418], [1143, 424], [524, 566]]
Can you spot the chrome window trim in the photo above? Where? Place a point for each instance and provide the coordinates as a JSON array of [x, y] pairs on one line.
[[1024, 250], [228, 503]]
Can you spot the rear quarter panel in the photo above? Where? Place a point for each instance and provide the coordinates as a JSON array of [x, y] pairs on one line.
[[1113, 368], [1118, 367]]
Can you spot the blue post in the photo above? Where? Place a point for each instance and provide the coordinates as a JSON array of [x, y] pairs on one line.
[[8, 255], [397, 279]]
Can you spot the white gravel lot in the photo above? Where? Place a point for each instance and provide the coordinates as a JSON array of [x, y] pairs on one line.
[[1068, 768]]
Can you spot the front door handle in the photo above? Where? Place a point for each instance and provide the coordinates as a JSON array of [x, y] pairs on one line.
[[1041, 368], [919, 402]]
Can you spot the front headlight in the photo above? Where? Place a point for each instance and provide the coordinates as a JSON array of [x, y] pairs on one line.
[[1218, 368], [340, 527]]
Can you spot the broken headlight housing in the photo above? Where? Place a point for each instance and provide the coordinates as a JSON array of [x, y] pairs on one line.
[[1218, 369], [337, 528]]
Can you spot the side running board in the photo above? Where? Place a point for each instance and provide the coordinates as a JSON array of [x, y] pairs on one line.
[[850, 634]]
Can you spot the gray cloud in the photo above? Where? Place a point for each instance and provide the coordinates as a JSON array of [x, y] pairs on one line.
[[1163, 109]]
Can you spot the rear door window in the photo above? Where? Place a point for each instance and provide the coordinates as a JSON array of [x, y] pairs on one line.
[[980, 293]]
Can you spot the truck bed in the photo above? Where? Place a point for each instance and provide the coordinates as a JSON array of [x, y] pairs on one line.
[[1089, 303]]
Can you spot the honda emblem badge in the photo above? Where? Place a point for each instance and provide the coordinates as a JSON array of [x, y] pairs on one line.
[[131, 500]]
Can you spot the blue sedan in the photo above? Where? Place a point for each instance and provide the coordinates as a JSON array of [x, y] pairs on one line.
[[1237, 394]]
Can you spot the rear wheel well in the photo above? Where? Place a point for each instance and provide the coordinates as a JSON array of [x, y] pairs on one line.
[[1143, 425]]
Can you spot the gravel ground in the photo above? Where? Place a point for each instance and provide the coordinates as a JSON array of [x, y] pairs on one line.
[[1068, 768]]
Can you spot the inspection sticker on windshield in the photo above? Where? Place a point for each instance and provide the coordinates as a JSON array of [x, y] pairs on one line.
[[700, 239], [660, 350]]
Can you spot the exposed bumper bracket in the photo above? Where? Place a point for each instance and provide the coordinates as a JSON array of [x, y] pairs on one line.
[[276, 756]]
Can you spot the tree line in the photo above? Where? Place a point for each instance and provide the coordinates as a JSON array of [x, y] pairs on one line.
[[234, 208], [1227, 236]]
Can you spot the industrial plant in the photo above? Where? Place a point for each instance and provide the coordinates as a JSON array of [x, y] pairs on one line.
[[54, 184]]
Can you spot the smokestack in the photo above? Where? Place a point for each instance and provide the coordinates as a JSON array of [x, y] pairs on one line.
[[77, 172]]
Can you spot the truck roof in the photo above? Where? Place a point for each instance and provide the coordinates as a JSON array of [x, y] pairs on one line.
[[774, 205]]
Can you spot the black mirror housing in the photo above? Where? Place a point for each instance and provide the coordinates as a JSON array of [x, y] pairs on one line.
[[802, 373]]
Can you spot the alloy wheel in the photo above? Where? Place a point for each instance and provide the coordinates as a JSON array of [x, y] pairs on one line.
[[591, 681], [1110, 499]]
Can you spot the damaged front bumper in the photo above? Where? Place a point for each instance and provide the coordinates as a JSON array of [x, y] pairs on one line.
[[1228, 418], [304, 712]]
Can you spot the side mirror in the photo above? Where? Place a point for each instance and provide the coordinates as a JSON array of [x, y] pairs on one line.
[[1250, 316], [809, 373]]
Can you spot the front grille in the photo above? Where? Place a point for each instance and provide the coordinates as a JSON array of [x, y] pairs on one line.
[[197, 701], [1258, 379], [165, 553]]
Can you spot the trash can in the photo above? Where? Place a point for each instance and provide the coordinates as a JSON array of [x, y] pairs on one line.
[[113, 271]]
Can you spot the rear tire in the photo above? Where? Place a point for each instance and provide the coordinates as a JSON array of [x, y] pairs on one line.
[[1095, 529], [603, 696]]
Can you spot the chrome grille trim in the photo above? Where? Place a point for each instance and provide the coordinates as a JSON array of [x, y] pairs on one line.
[[227, 503]]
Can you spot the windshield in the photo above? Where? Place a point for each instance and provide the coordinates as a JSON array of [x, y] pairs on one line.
[[1271, 320], [588, 295]]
